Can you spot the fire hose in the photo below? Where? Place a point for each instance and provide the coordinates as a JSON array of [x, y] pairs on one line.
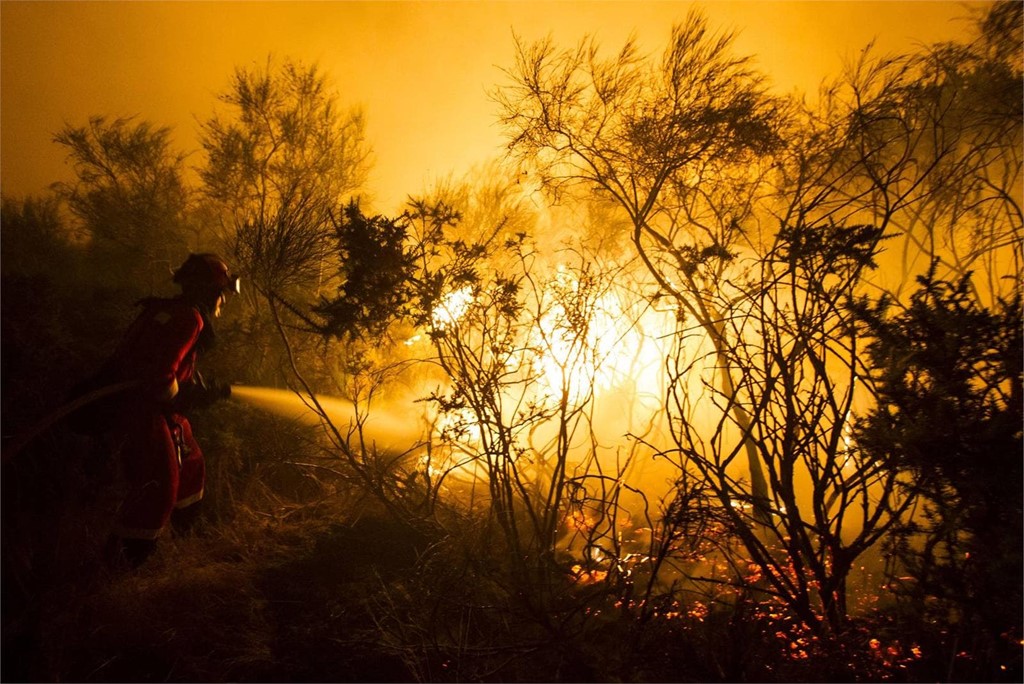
[[19, 441]]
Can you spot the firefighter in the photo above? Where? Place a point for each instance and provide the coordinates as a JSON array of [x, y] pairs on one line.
[[163, 464]]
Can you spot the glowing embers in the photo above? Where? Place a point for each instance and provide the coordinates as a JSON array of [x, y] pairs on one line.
[[584, 576]]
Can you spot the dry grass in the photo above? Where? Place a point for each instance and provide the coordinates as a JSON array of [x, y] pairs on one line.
[[257, 600], [295, 578]]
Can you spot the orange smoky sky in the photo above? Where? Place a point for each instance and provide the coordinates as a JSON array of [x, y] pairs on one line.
[[421, 71]]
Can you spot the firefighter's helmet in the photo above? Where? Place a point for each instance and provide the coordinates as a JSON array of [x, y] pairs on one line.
[[207, 272]]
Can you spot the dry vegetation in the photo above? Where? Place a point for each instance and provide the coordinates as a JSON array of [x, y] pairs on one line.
[[676, 425]]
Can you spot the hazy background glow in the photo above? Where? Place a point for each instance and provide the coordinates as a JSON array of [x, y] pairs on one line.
[[420, 70]]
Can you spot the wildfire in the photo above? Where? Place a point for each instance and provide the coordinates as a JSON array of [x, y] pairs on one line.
[[583, 342], [460, 424], [600, 350], [452, 307]]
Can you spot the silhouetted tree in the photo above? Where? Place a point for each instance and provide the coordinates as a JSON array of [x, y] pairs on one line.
[[42, 293], [949, 378], [376, 276], [34, 239], [659, 138], [279, 165], [131, 197], [925, 149], [762, 246]]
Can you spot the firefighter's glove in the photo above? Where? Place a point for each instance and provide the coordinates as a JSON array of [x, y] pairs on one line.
[[222, 390], [200, 394]]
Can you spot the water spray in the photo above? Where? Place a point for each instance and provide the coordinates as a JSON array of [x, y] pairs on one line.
[[394, 428]]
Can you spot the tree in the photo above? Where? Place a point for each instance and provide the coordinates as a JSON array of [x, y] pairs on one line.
[[35, 239], [131, 197], [655, 139], [44, 335], [419, 275], [924, 150], [376, 271], [930, 152], [279, 165], [763, 245], [949, 379], [798, 369], [508, 353]]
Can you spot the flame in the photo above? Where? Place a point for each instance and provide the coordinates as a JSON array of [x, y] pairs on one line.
[[452, 307], [600, 349], [461, 424], [608, 352], [600, 346]]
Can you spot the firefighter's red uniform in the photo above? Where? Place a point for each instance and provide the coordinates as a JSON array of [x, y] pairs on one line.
[[163, 463]]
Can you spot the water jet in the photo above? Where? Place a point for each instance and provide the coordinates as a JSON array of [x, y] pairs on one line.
[[395, 428]]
